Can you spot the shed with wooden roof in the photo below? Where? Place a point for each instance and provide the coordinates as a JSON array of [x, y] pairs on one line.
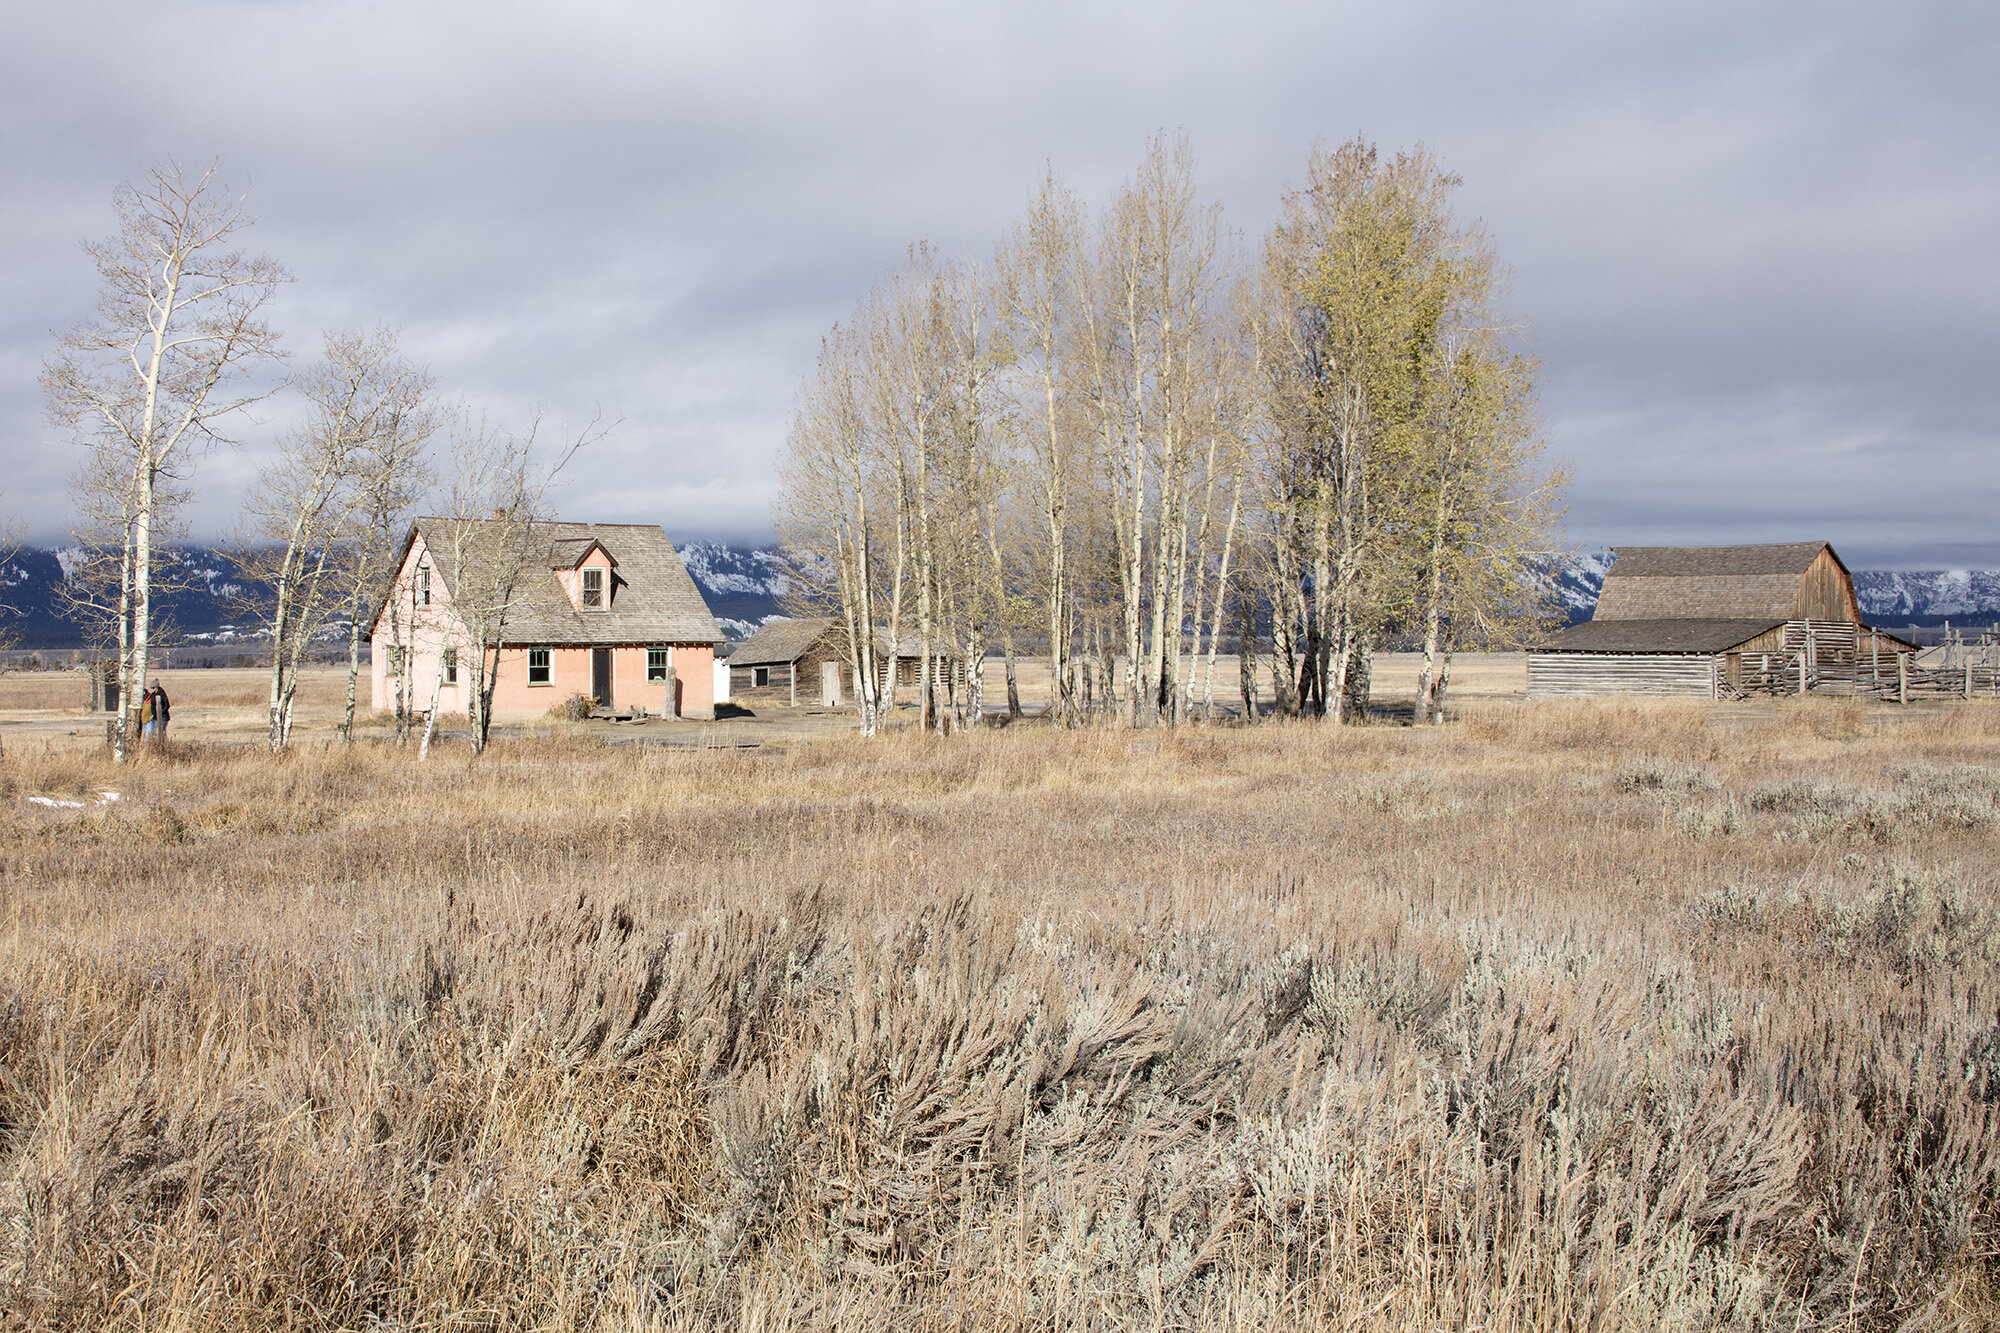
[[785, 654], [1709, 621]]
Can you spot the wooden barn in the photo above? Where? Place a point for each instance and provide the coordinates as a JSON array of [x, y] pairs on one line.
[[1719, 621]]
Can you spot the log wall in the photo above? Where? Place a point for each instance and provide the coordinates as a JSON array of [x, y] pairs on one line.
[[1574, 675]]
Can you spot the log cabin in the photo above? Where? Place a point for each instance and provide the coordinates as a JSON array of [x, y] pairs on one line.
[[1716, 621]]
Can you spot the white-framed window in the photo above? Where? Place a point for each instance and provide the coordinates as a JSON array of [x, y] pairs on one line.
[[451, 666], [656, 664], [538, 666], [394, 664], [593, 590], [423, 585]]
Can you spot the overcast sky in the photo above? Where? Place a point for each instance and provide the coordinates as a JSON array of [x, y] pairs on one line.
[[1757, 245]]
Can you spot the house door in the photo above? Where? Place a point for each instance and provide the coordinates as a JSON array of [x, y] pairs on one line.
[[600, 676], [829, 684]]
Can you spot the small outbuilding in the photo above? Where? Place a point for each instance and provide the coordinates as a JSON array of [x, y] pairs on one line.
[[1714, 621], [783, 652], [790, 660]]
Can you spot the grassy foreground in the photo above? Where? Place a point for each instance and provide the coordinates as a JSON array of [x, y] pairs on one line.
[[1569, 1016]]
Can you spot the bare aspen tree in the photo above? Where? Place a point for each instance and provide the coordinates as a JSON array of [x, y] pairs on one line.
[[972, 476], [829, 512], [1039, 267], [179, 316], [908, 350], [311, 537], [392, 470], [1162, 272]]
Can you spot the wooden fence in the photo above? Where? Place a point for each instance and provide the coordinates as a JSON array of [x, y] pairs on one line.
[[1810, 657], [1899, 680]]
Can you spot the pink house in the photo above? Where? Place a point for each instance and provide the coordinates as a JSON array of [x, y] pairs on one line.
[[605, 610]]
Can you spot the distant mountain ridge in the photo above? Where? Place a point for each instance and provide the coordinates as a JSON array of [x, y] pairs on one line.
[[198, 601], [744, 585]]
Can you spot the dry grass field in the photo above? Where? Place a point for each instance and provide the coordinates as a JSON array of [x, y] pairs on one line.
[[1566, 1016]]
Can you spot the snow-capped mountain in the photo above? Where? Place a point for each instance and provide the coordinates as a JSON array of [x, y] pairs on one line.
[[199, 597], [741, 584], [1576, 580], [1928, 596]]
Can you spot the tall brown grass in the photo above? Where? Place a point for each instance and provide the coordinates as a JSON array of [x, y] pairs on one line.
[[1589, 1016]]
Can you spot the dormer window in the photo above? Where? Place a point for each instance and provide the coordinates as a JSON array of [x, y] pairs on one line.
[[593, 590]]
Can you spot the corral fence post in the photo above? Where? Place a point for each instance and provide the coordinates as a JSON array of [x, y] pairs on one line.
[[1902, 677]]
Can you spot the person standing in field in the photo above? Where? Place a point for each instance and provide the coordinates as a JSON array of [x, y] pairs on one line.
[[146, 716], [156, 698]]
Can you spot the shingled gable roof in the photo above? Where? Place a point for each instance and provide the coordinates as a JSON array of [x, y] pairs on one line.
[[653, 601], [1711, 583], [778, 642]]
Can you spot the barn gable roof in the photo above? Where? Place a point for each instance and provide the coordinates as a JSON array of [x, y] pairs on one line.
[[653, 601], [1710, 583]]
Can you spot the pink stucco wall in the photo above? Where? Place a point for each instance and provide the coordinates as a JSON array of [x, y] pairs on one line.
[[570, 672]]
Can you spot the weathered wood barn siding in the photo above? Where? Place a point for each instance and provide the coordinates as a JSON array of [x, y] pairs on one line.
[[1560, 675], [1709, 620]]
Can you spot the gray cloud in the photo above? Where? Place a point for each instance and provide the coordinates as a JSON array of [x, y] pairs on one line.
[[1753, 243]]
